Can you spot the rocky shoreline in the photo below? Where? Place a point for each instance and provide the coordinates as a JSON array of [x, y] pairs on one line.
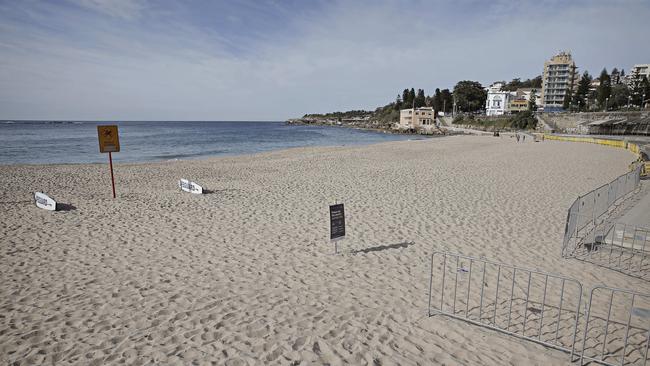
[[364, 124]]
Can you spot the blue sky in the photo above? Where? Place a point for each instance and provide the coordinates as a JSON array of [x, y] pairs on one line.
[[272, 60]]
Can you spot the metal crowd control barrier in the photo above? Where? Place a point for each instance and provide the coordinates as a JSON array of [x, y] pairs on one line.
[[587, 211], [538, 306], [617, 246], [619, 332]]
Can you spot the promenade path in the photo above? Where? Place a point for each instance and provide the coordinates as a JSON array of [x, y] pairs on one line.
[[639, 214], [470, 131]]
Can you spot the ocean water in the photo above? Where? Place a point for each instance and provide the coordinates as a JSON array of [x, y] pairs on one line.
[[46, 142]]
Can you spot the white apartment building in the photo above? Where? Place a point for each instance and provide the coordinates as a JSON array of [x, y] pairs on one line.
[[416, 118], [637, 73], [497, 100], [559, 78]]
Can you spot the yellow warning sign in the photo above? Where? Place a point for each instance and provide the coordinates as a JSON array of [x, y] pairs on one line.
[[109, 141]]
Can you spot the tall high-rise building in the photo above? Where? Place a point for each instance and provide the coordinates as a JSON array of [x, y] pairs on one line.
[[558, 80], [636, 74]]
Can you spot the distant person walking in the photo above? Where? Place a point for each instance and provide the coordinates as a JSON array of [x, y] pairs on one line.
[[523, 137], [517, 137]]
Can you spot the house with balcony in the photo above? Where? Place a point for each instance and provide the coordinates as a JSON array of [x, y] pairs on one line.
[[522, 96]]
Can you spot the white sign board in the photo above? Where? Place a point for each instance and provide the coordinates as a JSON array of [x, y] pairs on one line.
[[191, 187], [44, 202]]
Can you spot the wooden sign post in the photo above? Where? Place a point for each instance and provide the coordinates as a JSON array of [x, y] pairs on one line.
[[109, 142], [337, 224]]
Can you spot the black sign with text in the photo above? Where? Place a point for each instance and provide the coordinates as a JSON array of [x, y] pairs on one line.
[[337, 221]]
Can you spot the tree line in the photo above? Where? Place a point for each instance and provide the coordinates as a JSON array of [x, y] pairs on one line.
[[441, 100], [514, 84], [610, 94]]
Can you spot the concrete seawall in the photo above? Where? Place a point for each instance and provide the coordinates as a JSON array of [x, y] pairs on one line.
[[571, 122]]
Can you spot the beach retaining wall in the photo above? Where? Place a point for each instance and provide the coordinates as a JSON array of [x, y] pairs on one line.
[[570, 122], [632, 147]]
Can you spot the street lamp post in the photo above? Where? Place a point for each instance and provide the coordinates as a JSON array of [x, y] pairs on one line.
[[454, 111], [606, 100]]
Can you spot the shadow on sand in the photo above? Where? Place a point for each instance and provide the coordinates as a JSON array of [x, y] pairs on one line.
[[65, 207], [405, 244], [225, 190]]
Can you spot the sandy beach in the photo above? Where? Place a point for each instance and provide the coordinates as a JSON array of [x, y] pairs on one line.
[[245, 274]]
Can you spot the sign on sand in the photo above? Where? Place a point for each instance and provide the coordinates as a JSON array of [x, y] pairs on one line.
[[337, 221], [337, 224], [43, 201], [109, 140], [190, 187]]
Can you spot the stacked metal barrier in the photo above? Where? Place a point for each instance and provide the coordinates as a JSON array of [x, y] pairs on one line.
[[586, 214], [618, 246]]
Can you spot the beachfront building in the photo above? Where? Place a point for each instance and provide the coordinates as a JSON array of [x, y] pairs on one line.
[[500, 102], [416, 118], [519, 99], [558, 80], [497, 100], [636, 74], [518, 105]]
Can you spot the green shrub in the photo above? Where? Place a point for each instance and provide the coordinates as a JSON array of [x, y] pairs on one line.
[[524, 120], [458, 120]]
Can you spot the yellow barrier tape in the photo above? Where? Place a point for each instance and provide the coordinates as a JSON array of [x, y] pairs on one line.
[[614, 143], [634, 148]]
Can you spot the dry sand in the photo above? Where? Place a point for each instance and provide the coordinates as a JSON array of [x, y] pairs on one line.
[[245, 274]]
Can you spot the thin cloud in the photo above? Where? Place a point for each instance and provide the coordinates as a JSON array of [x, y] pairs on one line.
[[126, 9]]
